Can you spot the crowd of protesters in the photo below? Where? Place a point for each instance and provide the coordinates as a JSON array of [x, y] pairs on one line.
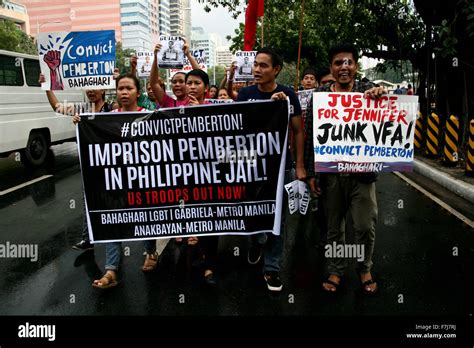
[[340, 194]]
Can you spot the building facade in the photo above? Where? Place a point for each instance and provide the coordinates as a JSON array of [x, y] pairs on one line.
[[164, 17], [224, 56], [135, 21], [73, 15], [180, 18], [187, 19], [154, 21], [17, 13], [200, 39], [176, 17]]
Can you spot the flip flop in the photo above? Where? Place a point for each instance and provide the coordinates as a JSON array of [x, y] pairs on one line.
[[107, 281], [368, 282], [151, 262], [193, 240], [336, 285]]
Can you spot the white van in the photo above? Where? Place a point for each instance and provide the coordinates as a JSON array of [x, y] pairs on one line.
[[27, 122]]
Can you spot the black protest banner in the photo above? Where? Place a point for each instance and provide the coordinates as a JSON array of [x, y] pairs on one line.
[[203, 170]]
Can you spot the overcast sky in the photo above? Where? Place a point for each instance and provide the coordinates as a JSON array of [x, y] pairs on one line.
[[217, 21]]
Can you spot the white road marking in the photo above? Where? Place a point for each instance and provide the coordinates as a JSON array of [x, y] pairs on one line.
[[444, 205], [14, 188]]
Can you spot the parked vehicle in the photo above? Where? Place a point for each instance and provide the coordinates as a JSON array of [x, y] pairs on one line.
[[27, 122]]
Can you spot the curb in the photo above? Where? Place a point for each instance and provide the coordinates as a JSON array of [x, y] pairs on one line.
[[459, 187]]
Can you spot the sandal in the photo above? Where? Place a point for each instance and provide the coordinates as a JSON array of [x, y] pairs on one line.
[[193, 240], [209, 277], [333, 283], [151, 262], [368, 291], [108, 280]]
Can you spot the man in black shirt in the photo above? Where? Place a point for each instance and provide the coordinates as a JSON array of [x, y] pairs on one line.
[[267, 66]]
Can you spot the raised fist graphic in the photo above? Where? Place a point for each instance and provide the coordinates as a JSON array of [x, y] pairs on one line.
[[53, 60]]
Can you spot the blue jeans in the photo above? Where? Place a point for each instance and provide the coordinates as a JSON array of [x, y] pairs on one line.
[[113, 253], [273, 245]]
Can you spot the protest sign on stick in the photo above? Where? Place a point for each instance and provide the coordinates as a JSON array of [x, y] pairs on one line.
[[77, 60], [171, 55], [245, 60], [144, 63], [357, 134]]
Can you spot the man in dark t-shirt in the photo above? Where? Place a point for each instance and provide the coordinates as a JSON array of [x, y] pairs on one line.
[[345, 193], [254, 93], [267, 66]]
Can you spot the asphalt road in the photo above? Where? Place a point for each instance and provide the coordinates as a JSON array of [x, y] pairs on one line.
[[423, 262]]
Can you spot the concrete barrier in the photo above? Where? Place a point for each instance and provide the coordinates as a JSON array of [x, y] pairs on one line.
[[459, 187]]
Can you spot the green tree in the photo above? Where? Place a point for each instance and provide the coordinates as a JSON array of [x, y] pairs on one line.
[[387, 29], [391, 30], [220, 72], [449, 58], [122, 58], [287, 75], [395, 71], [13, 39], [433, 39]]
